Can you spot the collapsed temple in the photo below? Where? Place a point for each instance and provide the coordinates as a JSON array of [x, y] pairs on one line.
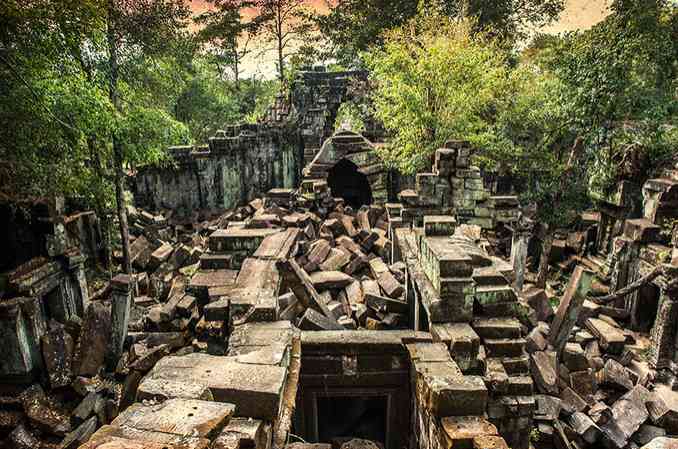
[[289, 290]]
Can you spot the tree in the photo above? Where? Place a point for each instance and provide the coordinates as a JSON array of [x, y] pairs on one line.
[[135, 25], [227, 34], [82, 96], [622, 75], [208, 101], [508, 20], [438, 80], [435, 81], [286, 23], [354, 26]]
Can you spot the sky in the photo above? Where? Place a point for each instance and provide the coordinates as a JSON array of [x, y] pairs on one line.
[[578, 14]]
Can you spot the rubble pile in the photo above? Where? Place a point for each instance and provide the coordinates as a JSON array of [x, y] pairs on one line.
[[331, 262], [596, 387]]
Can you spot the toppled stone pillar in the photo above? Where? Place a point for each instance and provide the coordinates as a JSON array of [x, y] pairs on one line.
[[569, 308], [663, 332], [519, 246], [22, 324], [519, 257], [120, 310], [78, 283]]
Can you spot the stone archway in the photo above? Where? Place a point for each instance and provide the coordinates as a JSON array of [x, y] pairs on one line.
[[345, 181], [347, 147]]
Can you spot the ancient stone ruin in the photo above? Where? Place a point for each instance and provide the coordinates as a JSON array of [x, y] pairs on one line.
[[291, 292]]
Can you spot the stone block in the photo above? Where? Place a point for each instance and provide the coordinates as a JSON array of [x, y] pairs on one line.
[[57, 352], [462, 341], [641, 230], [460, 431], [255, 389], [94, 339], [569, 307], [446, 392], [439, 225], [180, 417]]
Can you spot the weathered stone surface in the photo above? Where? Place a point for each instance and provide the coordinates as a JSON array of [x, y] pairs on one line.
[[256, 291], [81, 434], [610, 338], [43, 412], [115, 437], [238, 239], [94, 338], [585, 427], [335, 261], [57, 352], [461, 430], [615, 375], [647, 433], [312, 320], [574, 358], [384, 304], [323, 280], [489, 442], [569, 307], [241, 433], [535, 341], [439, 225], [445, 391], [280, 245], [537, 299], [203, 280], [182, 417], [217, 310], [22, 438], [390, 285], [543, 369], [254, 389], [302, 286], [462, 341]]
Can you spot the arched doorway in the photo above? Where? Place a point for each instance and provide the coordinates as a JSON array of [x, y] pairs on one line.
[[348, 183]]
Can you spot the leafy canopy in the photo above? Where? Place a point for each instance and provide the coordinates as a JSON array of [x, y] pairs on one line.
[[438, 80]]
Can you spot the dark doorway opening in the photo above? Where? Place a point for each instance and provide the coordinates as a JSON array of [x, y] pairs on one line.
[[348, 183], [341, 417], [646, 308]]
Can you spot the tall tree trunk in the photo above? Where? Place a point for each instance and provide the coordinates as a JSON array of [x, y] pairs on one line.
[[546, 245], [102, 213], [236, 72], [281, 60], [280, 37], [117, 148]]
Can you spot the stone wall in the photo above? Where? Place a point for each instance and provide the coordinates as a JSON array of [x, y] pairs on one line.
[[455, 187], [248, 160], [236, 166]]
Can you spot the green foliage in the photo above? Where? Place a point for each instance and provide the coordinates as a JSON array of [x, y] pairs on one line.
[[58, 119], [622, 78], [506, 20], [207, 102], [227, 33], [350, 116], [288, 29], [437, 80], [355, 26], [257, 97]]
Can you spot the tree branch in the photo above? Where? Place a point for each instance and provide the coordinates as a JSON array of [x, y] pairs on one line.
[[630, 288]]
